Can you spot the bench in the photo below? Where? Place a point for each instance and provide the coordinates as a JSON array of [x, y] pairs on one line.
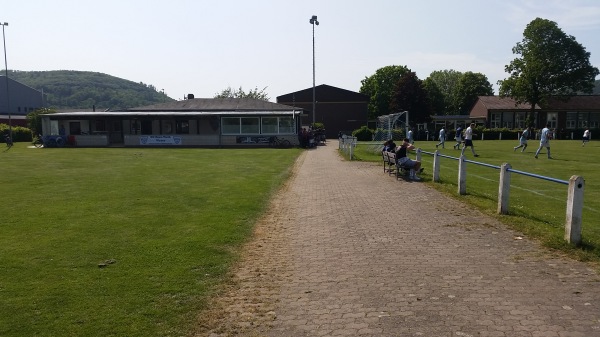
[[391, 166], [389, 161]]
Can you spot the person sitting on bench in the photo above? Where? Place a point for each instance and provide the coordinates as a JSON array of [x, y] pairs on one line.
[[403, 160], [389, 146]]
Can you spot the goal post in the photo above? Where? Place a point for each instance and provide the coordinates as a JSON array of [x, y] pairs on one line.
[[392, 126]]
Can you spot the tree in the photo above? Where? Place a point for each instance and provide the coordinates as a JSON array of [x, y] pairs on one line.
[[34, 119], [435, 96], [446, 81], [410, 95], [239, 93], [552, 63], [379, 87], [469, 86]]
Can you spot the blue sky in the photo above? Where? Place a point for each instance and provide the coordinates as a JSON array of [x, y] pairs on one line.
[[202, 47]]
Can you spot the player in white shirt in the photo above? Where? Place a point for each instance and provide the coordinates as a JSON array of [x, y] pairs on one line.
[[544, 141], [469, 140]]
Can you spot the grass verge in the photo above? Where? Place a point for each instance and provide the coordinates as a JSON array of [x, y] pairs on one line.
[[124, 242], [537, 207]]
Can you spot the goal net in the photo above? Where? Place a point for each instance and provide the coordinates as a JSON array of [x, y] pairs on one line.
[[392, 126]]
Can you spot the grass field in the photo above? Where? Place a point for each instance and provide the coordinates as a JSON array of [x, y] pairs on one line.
[[124, 242], [537, 207]]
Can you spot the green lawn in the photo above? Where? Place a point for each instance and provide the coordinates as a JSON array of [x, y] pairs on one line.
[[537, 207], [124, 242]]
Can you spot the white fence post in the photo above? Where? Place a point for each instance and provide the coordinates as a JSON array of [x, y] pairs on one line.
[[504, 189], [462, 176], [436, 166], [574, 210]]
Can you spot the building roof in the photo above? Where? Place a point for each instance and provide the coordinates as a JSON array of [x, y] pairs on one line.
[[196, 107], [503, 103], [88, 114], [451, 117], [574, 103], [15, 82], [324, 94], [217, 105]]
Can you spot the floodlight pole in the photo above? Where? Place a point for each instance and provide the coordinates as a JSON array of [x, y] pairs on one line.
[[313, 21], [6, 75]]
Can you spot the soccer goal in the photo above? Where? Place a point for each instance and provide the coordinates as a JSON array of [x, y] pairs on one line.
[[392, 126]]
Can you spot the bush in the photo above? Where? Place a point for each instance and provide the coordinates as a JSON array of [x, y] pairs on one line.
[[318, 126], [19, 133], [363, 134]]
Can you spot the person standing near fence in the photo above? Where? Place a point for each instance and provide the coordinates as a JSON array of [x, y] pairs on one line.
[[469, 140], [523, 140], [442, 138], [544, 141], [458, 137], [586, 137], [410, 136]]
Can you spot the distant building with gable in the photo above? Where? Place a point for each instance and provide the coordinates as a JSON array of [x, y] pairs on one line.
[[338, 109], [22, 100]]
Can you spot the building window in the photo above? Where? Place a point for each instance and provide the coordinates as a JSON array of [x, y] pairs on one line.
[[241, 125], [74, 128], [257, 125], [552, 118], [167, 127], [594, 120], [135, 127], [277, 125], [287, 125], [582, 120], [250, 125], [230, 125], [495, 120], [99, 125], [571, 120], [269, 125], [182, 127], [146, 127], [520, 118]]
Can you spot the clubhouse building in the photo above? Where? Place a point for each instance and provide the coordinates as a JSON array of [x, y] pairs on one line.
[[193, 122]]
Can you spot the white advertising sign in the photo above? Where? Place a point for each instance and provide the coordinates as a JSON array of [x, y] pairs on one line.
[[160, 140]]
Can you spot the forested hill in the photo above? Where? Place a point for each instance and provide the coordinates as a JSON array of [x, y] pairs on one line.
[[68, 89]]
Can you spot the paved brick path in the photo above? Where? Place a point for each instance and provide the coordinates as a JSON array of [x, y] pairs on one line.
[[347, 250]]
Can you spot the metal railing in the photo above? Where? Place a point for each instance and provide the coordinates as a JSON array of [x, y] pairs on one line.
[[347, 144], [575, 184]]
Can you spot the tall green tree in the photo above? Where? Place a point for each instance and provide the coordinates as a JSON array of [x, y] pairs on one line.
[[380, 88], [240, 93], [436, 97], [446, 81], [410, 95], [469, 86], [551, 63]]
